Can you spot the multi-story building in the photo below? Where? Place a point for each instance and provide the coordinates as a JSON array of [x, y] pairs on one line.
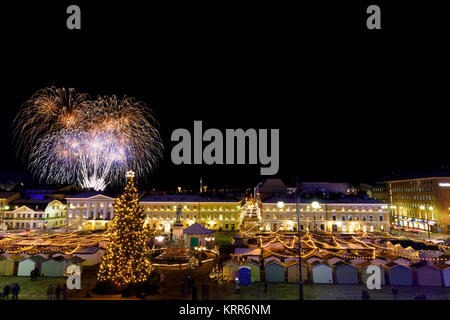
[[339, 215], [35, 214], [5, 200], [421, 202], [380, 192], [213, 212], [94, 210], [90, 210], [332, 209]]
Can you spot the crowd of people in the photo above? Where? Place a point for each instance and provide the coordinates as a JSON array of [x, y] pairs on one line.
[[189, 288], [57, 292]]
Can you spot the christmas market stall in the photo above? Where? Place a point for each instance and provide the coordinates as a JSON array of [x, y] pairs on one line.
[[29, 264], [274, 271], [53, 267], [397, 274], [321, 272], [255, 270], [91, 255], [293, 272], [426, 275], [230, 269], [199, 236], [363, 274], [445, 273], [345, 273], [10, 264]]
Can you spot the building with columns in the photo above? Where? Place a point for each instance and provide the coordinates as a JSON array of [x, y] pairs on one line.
[[215, 213], [90, 210], [95, 210]]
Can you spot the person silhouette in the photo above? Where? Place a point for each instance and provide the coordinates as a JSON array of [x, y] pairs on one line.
[[15, 291], [6, 291]]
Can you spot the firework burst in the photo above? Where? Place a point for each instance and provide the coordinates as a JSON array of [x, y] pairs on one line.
[[68, 138]]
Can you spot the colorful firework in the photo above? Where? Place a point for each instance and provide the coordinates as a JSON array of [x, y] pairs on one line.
[[68, 138]]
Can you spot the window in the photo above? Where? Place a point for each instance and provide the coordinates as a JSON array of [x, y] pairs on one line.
[[343, 218], [370, 218], [381, 218]]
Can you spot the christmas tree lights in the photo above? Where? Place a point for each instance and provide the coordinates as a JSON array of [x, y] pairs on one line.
[[125, 262]]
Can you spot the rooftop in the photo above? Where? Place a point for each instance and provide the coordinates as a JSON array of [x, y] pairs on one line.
[[348, 199], [186, 198], [197, 228]]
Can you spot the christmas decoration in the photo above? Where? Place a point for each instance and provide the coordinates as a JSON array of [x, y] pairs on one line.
[[125, 261]]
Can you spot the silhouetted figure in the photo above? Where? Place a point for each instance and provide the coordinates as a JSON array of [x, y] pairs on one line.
[[203, 291], [32, 275], [183, 289], [189, 284], [420, 297], [162, 279], [58, 292], [50, 292], [15, 291], [266, 286], [395, 293], [36, 273], [64, 291], [365, 295], [194, 292], [238, 289], [207, 291], [6, 291]]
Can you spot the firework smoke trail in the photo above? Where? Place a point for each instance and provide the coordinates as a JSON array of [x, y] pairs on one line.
[[94, 144]]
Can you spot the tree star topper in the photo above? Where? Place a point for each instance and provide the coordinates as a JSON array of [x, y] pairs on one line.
[[130, 174]]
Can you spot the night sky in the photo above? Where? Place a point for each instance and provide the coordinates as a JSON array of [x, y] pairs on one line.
[[350, 105]]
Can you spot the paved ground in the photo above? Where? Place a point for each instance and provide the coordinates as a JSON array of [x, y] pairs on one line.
[[278, 291], [289, 291], [37, 290], [30, 290]]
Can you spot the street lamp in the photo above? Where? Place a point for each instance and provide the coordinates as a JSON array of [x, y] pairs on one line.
[[426, 215], [300, 284], [280, 204], [315, 205]]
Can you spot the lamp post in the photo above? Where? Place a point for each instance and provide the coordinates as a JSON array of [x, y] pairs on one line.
[[315, 205], [297, 207], [426, 216]]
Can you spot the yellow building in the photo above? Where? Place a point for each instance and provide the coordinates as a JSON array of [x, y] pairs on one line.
[[94, 210], [35, 214], [417, 203], [212, 212]]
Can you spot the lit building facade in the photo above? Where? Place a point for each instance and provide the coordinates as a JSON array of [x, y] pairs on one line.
[[212, 212], [342, 215], [419, 203], [24, 214], [90, 210], [380, 192], [94, 210]]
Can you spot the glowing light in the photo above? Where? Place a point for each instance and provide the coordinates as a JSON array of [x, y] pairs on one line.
[[280, 204], [315, 205]]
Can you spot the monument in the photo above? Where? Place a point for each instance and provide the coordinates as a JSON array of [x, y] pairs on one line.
[[176, 253]]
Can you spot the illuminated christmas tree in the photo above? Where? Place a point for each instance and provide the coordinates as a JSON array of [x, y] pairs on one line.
[[124, 263]]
